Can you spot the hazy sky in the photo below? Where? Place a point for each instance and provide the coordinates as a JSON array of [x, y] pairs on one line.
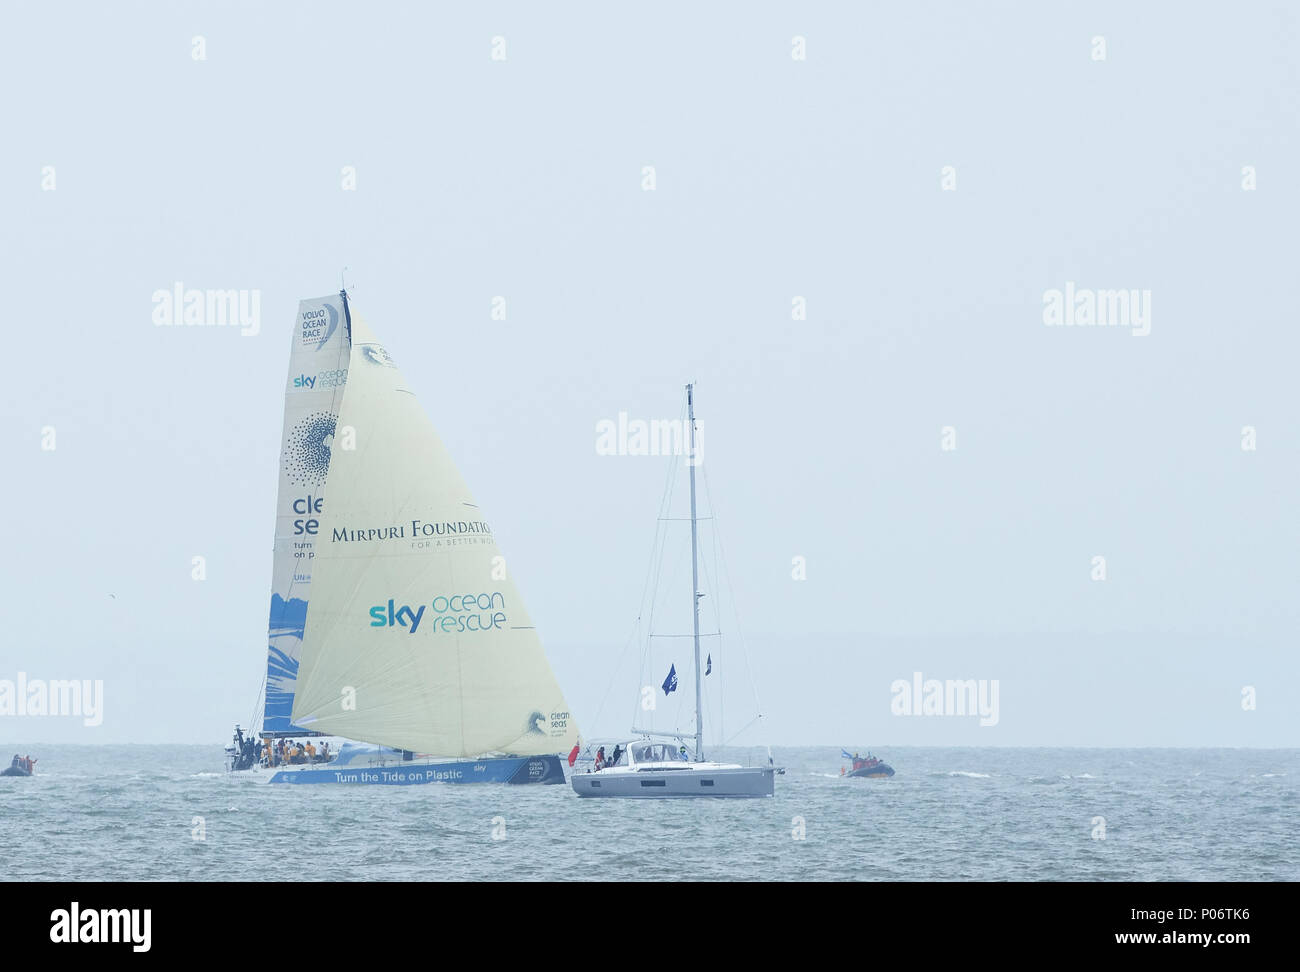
[[775, 178]]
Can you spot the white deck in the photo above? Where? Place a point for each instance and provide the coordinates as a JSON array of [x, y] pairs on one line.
[[649, 771]]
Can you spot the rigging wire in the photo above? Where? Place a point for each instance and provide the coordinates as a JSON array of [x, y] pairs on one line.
[[717, 586], [726, 571], [651, 578], [261, 691], [655, 574]]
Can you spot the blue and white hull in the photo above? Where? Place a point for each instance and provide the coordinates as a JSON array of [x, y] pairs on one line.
[[361, 764], [496, 769]]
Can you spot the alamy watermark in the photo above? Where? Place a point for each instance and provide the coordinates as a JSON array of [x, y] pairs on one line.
[[190, 307], [1080, 307], [57, 697], [641, 437], [953, 697], [95, 925]]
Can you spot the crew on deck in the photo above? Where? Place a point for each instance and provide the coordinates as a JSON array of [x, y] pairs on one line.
[[292, 752]]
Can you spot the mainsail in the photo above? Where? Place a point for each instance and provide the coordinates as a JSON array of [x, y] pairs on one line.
[[318, 363], [417, 637]]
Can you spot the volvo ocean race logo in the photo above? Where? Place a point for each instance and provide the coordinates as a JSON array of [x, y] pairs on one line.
[[307, 449], [319, 325], [376, 354], [460, 613]]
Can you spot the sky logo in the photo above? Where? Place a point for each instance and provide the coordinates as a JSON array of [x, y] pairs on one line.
[[382, 617], [304, 381]]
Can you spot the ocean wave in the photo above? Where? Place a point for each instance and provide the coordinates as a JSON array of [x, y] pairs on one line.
[[974, 776]]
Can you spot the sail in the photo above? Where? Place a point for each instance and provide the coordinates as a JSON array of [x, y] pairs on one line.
[[318, 363], [417, 637]]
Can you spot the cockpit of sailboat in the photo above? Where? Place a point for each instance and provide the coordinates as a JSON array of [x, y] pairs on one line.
[[653, 753]]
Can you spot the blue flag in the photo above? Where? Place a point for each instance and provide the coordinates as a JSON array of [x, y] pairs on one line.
[[709, 666], [846, 755], [670, 683]]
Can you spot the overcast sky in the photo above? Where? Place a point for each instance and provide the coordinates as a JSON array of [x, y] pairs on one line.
[[1166, 165]]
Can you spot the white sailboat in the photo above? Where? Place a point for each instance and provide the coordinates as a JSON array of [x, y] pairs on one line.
[[396, 634], [642, 768]]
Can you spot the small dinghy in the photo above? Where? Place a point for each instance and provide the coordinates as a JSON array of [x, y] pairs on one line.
[[21, 766], [869, 767]]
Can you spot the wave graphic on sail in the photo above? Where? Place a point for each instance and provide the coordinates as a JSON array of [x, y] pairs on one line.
[[318, 362]]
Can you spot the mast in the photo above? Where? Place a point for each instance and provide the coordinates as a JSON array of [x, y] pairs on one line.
[[695, 582]]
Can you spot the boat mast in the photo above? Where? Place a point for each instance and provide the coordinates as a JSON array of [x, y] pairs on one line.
[[695, 582]]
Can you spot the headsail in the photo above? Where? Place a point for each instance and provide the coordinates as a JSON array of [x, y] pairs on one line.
[[318, 363], [417, 637]]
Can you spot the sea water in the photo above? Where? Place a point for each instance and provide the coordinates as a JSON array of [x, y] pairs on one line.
[[141, 813]]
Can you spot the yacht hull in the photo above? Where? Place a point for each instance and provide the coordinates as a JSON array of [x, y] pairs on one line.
[[669, 784], [505, 769], [881, 771]]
